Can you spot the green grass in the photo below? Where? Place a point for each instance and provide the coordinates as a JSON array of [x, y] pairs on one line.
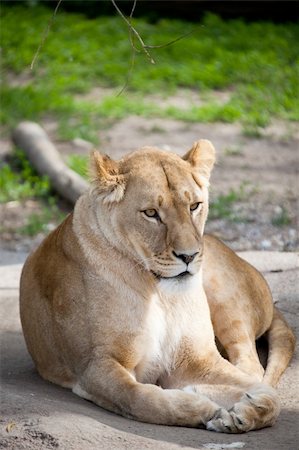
[[79, 164], [258, 62], [223, 206], [19, 181], [281, 218], [44, 220], [234, 150]]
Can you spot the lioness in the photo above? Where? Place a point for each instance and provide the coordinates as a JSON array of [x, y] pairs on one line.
[[122, 302]]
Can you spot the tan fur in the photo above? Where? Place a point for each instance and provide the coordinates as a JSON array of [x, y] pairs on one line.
[[105, 312]]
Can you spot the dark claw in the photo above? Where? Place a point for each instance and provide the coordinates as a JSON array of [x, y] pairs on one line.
[[239, 421]]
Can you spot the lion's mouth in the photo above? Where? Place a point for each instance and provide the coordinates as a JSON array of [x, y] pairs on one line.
[[181, 275]]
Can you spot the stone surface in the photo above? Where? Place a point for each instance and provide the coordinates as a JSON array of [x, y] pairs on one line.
[[37, 415]]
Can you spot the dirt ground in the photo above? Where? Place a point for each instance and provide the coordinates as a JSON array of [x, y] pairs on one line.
[[37, 415], [262, 172]]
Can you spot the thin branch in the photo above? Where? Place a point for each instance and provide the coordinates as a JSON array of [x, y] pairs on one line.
[[133, 55], [131, 36], [129, 74], [144, 47], [134, 31], [170, 42], [45, 35], [133, 9]]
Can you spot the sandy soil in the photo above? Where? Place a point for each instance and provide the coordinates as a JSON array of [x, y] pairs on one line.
[[262, 171], [37, 415]]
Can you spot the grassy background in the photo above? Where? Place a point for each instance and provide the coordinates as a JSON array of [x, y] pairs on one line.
[[257, 63]]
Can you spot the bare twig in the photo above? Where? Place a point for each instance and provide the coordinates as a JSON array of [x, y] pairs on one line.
[[133, 9], [131, 36], [129, 74], [45, 35], [171, 42], [134, 31], [133, 54]]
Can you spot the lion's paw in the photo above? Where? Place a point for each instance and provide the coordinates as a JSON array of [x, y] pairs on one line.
[[222, 422], [258, 408]]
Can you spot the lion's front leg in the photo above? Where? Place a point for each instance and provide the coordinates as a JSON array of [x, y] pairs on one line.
[[110, 385]]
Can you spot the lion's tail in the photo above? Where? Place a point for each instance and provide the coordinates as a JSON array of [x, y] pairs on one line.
[[281, 341]]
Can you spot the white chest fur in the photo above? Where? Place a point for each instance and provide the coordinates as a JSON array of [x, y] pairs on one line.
[[177, 310]]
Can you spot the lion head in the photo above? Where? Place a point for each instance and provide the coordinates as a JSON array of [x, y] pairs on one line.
[[152, 205]]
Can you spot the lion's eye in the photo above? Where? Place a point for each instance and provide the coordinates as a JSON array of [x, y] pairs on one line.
[[194, 206], [152, 213]]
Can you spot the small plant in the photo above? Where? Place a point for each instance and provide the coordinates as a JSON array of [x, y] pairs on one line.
[[157, 129], [18, 180], [36, 223], [281, 218], [79, 164], [234, 150], [222, 207], [43, 221], [252, 131]]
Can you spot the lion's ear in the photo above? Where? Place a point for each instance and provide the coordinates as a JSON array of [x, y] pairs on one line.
[[202, 157], [105, 177]]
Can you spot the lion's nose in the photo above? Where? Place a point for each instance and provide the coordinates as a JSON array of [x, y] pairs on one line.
[[185, 258]]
